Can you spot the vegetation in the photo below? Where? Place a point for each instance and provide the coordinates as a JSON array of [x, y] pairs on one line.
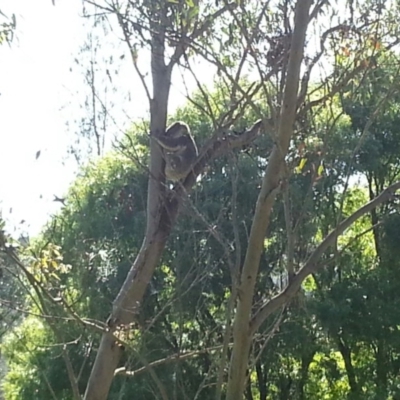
[[270, 271], [7, 27]]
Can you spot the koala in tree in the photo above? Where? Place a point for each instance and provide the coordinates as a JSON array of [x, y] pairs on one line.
[[179, 150]]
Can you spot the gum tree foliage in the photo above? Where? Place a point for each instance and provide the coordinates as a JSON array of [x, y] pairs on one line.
[[8, 24]]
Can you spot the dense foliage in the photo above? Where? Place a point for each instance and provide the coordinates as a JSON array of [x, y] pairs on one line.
[[338, 338]]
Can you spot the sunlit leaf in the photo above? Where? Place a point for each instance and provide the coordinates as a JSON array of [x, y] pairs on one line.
[[301, 165]]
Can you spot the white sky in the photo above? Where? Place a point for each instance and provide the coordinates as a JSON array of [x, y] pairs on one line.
[[32, 75], [35, 82]]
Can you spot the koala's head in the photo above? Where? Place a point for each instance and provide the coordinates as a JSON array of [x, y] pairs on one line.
[[177, 130]]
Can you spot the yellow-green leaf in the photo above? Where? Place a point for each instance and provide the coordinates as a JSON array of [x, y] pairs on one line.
[[301, 165]]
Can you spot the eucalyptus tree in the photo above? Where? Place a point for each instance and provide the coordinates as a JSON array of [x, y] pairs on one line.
[[269, 40], [287, 64]]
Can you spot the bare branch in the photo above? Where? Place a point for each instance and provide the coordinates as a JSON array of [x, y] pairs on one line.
[[217, 146], [312, 263], [184, 41], [167, 360]]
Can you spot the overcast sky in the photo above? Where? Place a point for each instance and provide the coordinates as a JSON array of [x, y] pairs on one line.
[[34, 77], [37, 99]]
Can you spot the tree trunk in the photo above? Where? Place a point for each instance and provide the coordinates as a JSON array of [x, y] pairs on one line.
[[262, 384], [351, 375], [159, 221], [270, 186], [305, 365], [381, 369]]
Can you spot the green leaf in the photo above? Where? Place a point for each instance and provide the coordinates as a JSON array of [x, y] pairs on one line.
[[301, 165]]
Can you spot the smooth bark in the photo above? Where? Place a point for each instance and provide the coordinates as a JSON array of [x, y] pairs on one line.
[[159, 218], [266, 199]]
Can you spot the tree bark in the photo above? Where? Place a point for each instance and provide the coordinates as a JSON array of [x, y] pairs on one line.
[[381, 369], [262, 383], [159, 221], [348, 364], [305, 366], [266, 199]]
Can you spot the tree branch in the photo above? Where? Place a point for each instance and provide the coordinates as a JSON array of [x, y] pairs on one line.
[[167, 360], [311, 264]]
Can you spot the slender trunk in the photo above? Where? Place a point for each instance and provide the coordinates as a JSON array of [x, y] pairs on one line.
[[381, 369], [380, 355], [270, 186], [285, 384], [262, 382], [305, 365], [348, 364], [374, 220], [159, 221], [249, 394]]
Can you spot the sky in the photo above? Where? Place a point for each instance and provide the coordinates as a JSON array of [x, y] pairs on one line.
[[34, 80], [39, 94]]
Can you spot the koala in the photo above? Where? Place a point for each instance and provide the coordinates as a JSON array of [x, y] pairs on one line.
[[179, 150]]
